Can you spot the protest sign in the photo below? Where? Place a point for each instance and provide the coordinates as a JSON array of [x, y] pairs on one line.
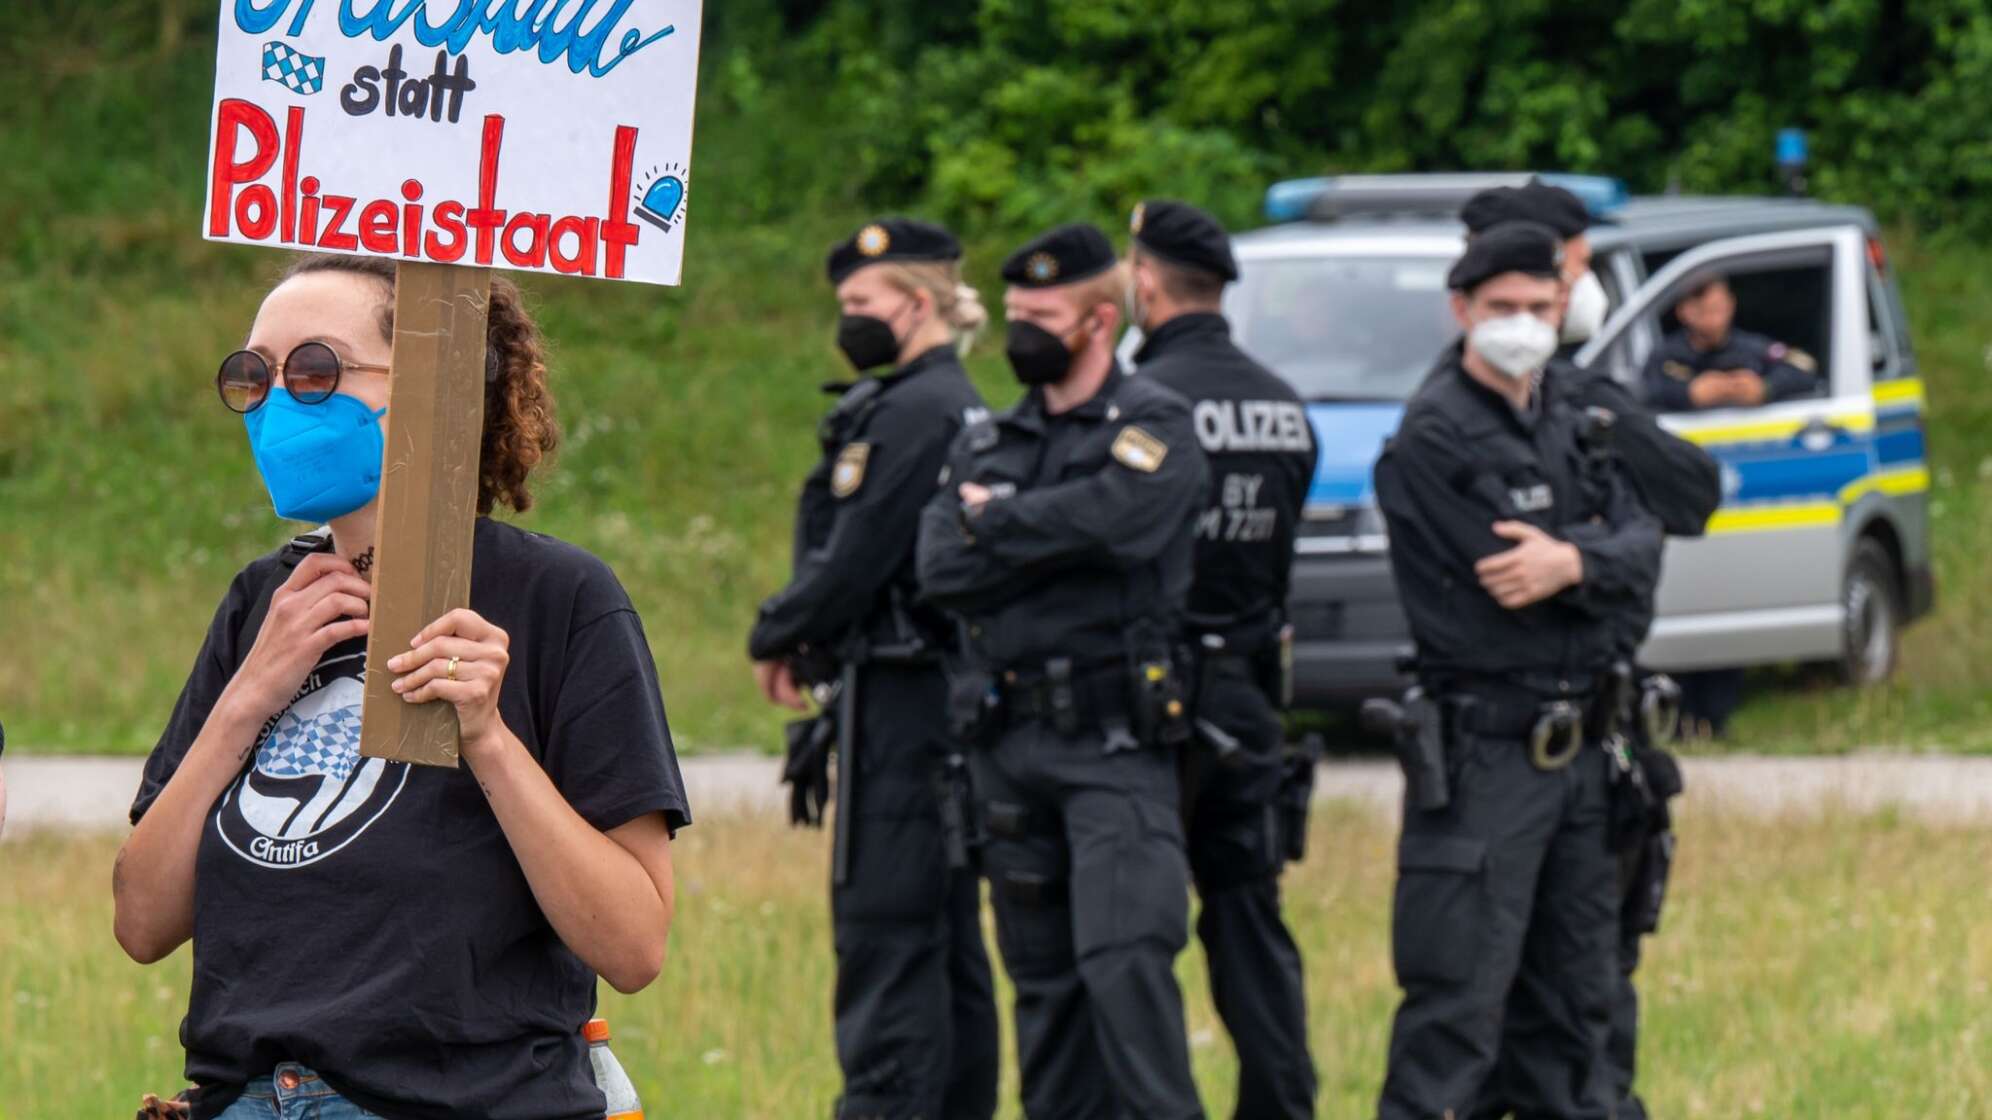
[[453, 136], [543, 135]]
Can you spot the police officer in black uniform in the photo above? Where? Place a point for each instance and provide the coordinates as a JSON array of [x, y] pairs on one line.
[[1681, 485], [915, 1008], [1515, 548], [1254, 429], [1707, 363], [1063, 540]]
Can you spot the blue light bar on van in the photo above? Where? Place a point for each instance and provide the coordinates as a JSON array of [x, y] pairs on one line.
[[1600, 194], [1331, 197], [1290, 201]]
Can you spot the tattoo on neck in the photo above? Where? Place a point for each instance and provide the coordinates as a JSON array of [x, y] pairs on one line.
[[364, 562]]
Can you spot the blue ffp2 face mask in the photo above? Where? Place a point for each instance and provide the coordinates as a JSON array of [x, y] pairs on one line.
[[319, 461]]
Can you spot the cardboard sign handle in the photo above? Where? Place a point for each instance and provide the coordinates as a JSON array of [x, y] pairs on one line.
[[428, 496]]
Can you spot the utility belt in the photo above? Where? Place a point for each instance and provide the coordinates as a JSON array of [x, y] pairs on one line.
[[1264, 645], [1264, 648], [1064, 695], [1552, 719], [1553, 729], [1135, 702]]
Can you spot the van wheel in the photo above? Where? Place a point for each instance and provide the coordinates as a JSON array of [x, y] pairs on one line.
[[1872, 632]]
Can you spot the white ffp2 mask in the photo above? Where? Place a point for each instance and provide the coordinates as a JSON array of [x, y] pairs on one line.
[[1588, 304], [1517, 345]]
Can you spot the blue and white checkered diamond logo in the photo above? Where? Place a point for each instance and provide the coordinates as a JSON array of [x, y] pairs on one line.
[[298, 73], [325, 745]]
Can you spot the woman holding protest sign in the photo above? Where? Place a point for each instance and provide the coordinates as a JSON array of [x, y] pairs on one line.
[[369, 936]]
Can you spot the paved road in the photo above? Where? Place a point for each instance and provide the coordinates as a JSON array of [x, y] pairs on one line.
[[93, 793]]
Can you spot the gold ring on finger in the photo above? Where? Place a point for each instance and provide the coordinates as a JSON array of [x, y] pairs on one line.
[[451, 671]]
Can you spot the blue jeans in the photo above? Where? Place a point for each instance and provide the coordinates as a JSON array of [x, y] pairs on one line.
[[292, 1092]]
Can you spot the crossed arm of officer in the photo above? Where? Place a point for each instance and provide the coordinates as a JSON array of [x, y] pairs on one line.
[[1538, 567], [1592, 565], [1125, 513], [1743, 388]]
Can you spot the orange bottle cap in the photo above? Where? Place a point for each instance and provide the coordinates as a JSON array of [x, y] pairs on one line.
[[597, 1030]]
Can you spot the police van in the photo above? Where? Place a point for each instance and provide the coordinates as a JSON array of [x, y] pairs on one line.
[[1820, 552]]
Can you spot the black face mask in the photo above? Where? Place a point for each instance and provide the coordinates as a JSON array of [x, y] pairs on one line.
[[867, 342], [1037, 356]]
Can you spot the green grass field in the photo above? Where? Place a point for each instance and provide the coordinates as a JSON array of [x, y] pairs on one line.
[[1834, 968], [128, 499]]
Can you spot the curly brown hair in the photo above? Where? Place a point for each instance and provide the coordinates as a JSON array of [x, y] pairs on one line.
[[520, 429]]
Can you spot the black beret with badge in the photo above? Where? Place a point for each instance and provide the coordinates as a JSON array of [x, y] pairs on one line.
[[1185, 236], [1524, 247], [1066, 255], [1564, 213], [904, 240]]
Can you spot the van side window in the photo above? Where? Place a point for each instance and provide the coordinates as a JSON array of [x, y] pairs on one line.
[[1743, 337]]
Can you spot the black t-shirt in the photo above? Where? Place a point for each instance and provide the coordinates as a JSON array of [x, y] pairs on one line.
[[368, 918]]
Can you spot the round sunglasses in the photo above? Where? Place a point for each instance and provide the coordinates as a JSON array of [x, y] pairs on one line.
[[311, 374]]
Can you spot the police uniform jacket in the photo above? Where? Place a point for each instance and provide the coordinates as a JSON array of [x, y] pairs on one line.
[[1676, 481], [1463, 459], [1254, 430], [883, 446], [1788, 372], [1087, 543]]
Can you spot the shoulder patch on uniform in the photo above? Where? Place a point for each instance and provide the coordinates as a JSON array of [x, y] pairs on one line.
[[973, 414], [983, 436], [1799, 359], [1679, 371], [849, 473], [1139, 451]]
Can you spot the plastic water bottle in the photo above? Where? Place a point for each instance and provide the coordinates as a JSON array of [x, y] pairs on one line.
[[609, 1075]]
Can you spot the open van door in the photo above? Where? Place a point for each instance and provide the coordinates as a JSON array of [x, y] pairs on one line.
[[1765, 584]]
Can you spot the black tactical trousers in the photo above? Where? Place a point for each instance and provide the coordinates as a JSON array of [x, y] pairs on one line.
[[1091, 891], [915, 1002], [1505, 928], [1236, 855], [1622, 1042], [1621, 1046], [1622, 1050]]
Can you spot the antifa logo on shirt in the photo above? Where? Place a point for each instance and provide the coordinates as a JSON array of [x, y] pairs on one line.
[[310, 793]]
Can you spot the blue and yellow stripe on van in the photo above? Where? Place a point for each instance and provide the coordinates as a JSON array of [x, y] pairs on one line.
[[1780, 485]]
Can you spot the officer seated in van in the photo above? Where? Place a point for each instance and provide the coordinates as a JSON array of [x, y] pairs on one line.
[[1707, 363]]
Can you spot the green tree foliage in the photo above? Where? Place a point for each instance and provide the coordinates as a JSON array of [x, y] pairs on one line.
[[1003, 111]]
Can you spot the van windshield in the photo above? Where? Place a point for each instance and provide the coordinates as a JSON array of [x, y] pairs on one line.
[[1344, 328]]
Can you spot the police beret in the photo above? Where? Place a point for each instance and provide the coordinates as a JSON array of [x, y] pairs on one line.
[[891, 239], [1184, 235], [1523, 247], [1066, 255], [1535, 202]]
